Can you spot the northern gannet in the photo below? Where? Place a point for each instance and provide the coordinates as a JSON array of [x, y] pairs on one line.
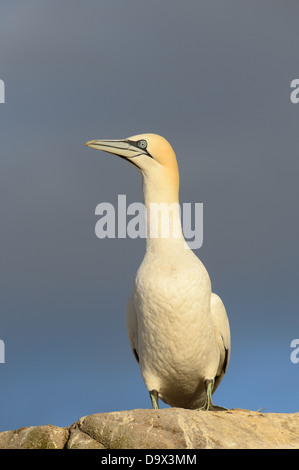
[[178, 329]]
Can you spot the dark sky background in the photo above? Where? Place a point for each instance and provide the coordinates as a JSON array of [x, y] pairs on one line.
[[214, 79]]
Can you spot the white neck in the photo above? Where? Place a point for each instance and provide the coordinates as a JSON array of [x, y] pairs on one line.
[[162, 215]]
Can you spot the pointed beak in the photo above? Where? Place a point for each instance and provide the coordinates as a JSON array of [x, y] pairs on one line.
[[122, 148]]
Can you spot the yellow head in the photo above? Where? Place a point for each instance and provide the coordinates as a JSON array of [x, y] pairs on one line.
[[150, 153]]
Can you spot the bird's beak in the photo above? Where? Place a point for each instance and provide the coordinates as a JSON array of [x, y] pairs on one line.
[[122, 148]]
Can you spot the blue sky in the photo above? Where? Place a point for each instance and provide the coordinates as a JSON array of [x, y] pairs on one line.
[[214, 79]]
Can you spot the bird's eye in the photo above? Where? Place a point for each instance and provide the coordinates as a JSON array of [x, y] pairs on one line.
[[142, 144]]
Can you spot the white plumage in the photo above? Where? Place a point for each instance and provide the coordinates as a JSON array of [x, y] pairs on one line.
[[177, 328]]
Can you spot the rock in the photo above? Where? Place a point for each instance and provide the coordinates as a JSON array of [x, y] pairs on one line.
[[170, 428], [35, 437], [81, 440]]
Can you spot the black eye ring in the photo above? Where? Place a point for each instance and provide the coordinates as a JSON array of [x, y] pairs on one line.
[[142, 144]]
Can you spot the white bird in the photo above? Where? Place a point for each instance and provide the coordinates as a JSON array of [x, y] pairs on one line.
[[178, 329]]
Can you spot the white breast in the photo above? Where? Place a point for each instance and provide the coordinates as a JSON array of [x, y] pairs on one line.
[[177, 345]]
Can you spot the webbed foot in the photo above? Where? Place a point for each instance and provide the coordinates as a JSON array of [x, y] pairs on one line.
[[208, 404]]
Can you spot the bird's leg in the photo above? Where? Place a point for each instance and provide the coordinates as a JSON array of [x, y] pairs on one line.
[[155, 399], [208, 400], [208, 404]]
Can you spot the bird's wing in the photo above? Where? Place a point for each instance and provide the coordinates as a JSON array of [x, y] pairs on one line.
[[132, 328], [222, 331]]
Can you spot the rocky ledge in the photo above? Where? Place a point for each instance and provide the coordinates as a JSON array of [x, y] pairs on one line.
[[171, 428]]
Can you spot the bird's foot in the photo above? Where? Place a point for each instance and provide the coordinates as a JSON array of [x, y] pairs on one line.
[[217, 408], [154, 399], [208, 404]]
